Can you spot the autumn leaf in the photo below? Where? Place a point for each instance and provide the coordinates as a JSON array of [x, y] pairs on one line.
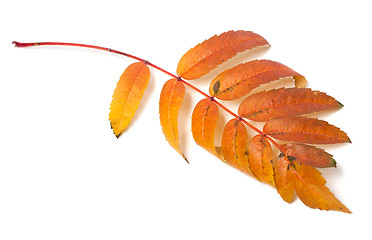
[[260, 157], [127, 96], [309, 155], [203, 125], [310, 188], [264, 106], [206, 56], [304, 130], [171, 98], [284, 179], [238, 81], [308, 184], [294, 169], [234, 145]]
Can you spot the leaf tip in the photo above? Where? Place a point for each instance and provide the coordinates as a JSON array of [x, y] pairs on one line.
[[333, 163], [340, 104], [184, 157], [348, 211], [117, 135], [343, 209]]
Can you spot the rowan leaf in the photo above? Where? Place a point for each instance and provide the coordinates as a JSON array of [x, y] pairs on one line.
[[207, 55], [234, 145], [309, 155], [238, 81], [203, 125], [264, 106], [284, 179], [304, 130], [310, 188], [171, 98], [127, 96], [295, 167], [260, 158]]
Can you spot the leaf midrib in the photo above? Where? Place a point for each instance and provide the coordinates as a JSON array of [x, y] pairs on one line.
[[129, 92]]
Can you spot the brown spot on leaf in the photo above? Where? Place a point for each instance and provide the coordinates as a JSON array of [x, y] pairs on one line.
[[216, 87]]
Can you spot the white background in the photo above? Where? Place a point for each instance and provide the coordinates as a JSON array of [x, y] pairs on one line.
[[64, 175]]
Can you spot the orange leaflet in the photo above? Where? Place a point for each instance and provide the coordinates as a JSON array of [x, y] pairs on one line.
[[203, 125], [265, 106], [238, 81], [260, 157], [171, 98], [206, 56], [284, 179], [311, 189], [308, 184], [234, 145], [309, 155], [127, 96], [305, 130]]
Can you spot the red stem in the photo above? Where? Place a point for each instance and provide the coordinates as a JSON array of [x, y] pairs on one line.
[[19, 44]]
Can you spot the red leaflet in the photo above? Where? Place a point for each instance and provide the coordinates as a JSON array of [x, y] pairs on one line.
[[284, 179], [171, 98], [308, 155], [206, 56], [234, 145], [203, 125], [264, 106], [236, 82], [260, 157], [304, 130]]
